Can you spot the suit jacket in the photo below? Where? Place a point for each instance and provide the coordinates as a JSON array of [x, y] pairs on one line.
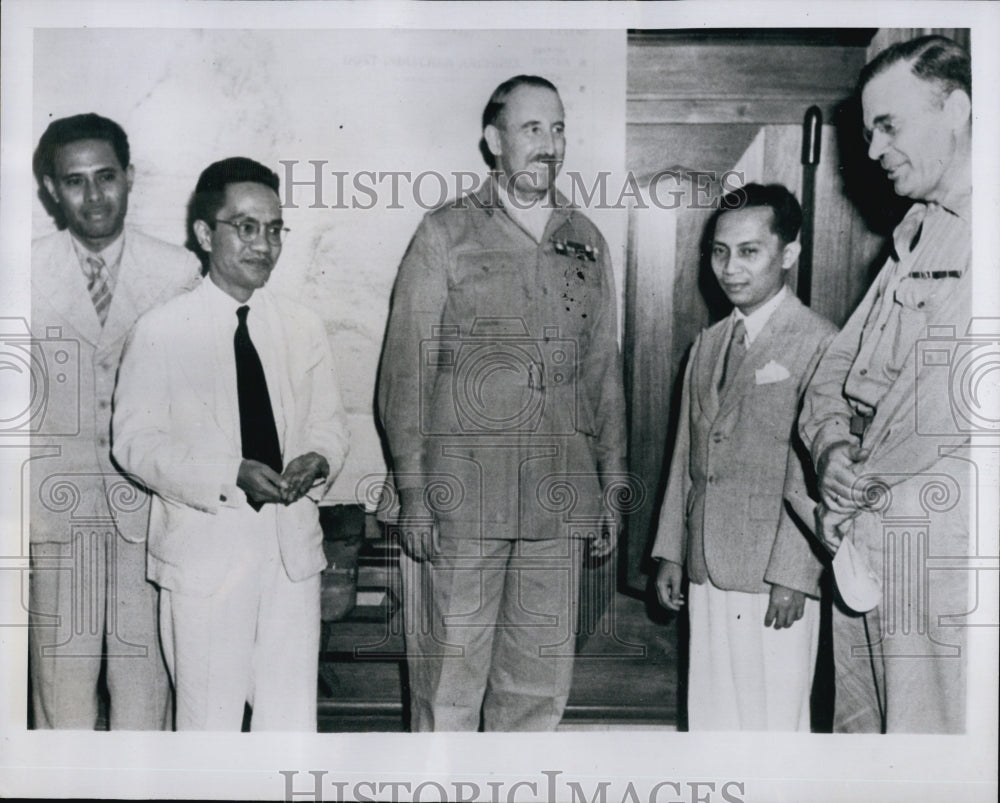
[[723, 511], [176, 427], [72, 477]]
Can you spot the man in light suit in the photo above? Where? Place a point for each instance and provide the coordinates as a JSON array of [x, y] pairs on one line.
[[750, 563], [228, 409], [88, 594]]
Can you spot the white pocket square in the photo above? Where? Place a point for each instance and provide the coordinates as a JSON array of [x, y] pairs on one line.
[[772, 372]]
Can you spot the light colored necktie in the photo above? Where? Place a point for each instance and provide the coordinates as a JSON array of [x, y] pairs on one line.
[[97, 284], [735, 352]]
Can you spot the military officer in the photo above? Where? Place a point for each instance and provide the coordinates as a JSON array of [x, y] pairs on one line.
[[501, 395]]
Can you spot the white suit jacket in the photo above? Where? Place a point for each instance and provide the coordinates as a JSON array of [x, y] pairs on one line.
[[74, 479], [176, 428]]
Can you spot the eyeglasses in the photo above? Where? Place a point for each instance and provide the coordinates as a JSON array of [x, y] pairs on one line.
[[248, 230]]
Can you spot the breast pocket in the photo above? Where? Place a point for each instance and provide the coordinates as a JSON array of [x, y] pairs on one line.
[[490, 285]]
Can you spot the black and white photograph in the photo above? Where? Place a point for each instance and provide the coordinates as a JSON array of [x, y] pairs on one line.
[[500, 401]]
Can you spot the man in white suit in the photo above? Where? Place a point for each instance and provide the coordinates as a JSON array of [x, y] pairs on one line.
[[228, 410], [89, 599], [750, 563]]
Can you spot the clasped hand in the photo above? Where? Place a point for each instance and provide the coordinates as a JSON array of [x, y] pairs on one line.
[[263, 484], [837, 472]]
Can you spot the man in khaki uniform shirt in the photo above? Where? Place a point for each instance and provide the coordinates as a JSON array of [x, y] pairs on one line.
[[501, 395], [880, 418]]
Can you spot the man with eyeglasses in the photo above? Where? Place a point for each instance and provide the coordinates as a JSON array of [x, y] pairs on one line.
[[227, 408], [90, 604], [879, 416]]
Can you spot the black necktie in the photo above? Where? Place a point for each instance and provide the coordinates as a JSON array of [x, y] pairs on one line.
[[257, 429]]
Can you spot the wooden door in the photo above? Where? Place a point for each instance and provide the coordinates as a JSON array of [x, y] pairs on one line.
[[701, 109]]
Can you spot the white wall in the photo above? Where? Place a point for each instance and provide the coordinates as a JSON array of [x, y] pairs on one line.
[[376, 100]]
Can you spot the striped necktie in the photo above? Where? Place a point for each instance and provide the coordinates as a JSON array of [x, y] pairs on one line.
[[97, 284], [735, 352]]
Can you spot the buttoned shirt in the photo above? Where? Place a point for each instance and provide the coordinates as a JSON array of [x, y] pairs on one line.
[[224, 322], [502, 346], [932, 249], [757, 319]]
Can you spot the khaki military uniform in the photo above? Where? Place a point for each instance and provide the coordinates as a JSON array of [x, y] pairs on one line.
[[501, 395], [892, 382]]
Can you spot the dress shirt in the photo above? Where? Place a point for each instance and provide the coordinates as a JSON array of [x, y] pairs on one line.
[[533, 218], [932, 240], [756, 320], [224, 323], [112, 256]]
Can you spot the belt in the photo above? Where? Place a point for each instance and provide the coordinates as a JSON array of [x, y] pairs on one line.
[[936, 274], [860, 423]]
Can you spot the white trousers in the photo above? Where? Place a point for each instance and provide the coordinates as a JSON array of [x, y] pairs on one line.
[[744, 676], [254, 641]]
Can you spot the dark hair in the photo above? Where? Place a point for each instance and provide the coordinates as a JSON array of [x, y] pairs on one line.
[[72, 129], [936, 59], [499, 97], [210, 193], [63, 132], [497, 101], [786, 212]]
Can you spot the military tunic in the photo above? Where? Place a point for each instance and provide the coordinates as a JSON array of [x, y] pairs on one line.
[[501, 371]]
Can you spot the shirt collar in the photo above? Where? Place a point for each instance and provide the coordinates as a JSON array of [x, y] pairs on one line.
[[757, 319], [958, 203], [224, 304], [494, 192], [111, 255]]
